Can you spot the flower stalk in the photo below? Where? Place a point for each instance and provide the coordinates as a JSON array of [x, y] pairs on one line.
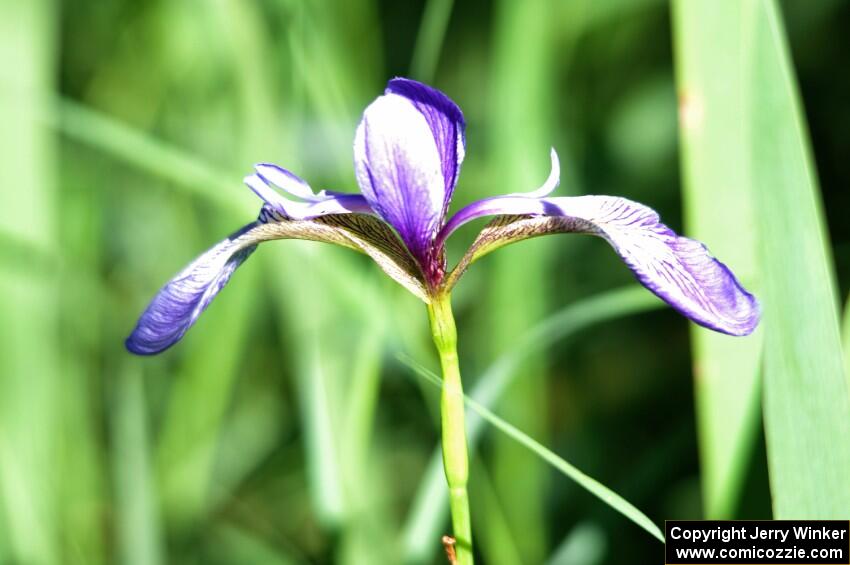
[[455, 457]]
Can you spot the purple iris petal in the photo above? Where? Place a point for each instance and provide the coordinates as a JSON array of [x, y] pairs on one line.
[[407, 155], [179, 303], [526, 202], [446, 122], [679, 270], [310, 205], [552, 181], [287, 181], [399, 171]]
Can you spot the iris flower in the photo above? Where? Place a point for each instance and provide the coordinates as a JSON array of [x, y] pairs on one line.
[[408, 151]]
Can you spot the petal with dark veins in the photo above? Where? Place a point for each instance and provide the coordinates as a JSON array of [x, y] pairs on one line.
[[679, 270], [447, 125], [407, 154], [179, 304], [310, 205]]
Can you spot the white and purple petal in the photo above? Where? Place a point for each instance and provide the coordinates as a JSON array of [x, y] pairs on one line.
[[399, 171], [447, 125], [679, 270], [551, 182], [287, 181], [408, 150], [519, 203], [178, 304], [311, 205]]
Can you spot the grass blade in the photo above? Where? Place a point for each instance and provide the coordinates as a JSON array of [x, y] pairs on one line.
[[719, 211], [231, 544], [430, 506], [29, 358], [593, 486], [491, 526], [806, 400], [586, 544], [198, 401], [429, 41], [845, 333], [148, 153], [214, 359], [299, 306], [522, 110], [137, 521]]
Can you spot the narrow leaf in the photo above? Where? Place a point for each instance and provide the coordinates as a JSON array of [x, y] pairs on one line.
[[521, 106], [718, 210], [845, 333], [429, 41], [430, 505], [31, 408], [806, 399], [596, 488], [137, 524]]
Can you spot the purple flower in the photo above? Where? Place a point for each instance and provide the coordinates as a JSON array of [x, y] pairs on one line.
[[408, 151]]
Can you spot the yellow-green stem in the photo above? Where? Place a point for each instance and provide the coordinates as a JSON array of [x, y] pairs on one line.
[[455, 458]]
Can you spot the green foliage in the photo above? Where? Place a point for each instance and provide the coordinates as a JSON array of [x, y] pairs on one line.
[[608, 496], [138, 528], [30, 357], [430, 505], [276, 432], [710, 43], [521, 105], [806, 394], [746, 149]]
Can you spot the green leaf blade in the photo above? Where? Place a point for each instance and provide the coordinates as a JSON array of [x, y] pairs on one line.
[[608, 496], [430, 506], [719, 211], [806, 397]]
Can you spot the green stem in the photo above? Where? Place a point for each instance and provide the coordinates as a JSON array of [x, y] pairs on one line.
[[455, 458]]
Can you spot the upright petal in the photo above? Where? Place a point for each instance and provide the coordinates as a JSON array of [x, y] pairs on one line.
[[551, 182], [524, 202], [679, 270], [179, 303], [303, 203], [447, 125], [407, 154], [287, 181]]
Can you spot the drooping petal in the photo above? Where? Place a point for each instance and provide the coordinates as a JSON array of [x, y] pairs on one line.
[[407, 154], [311, 205], [179, 303], [679, 270]]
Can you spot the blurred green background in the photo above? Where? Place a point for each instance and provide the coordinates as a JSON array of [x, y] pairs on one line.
[[284, 429]]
